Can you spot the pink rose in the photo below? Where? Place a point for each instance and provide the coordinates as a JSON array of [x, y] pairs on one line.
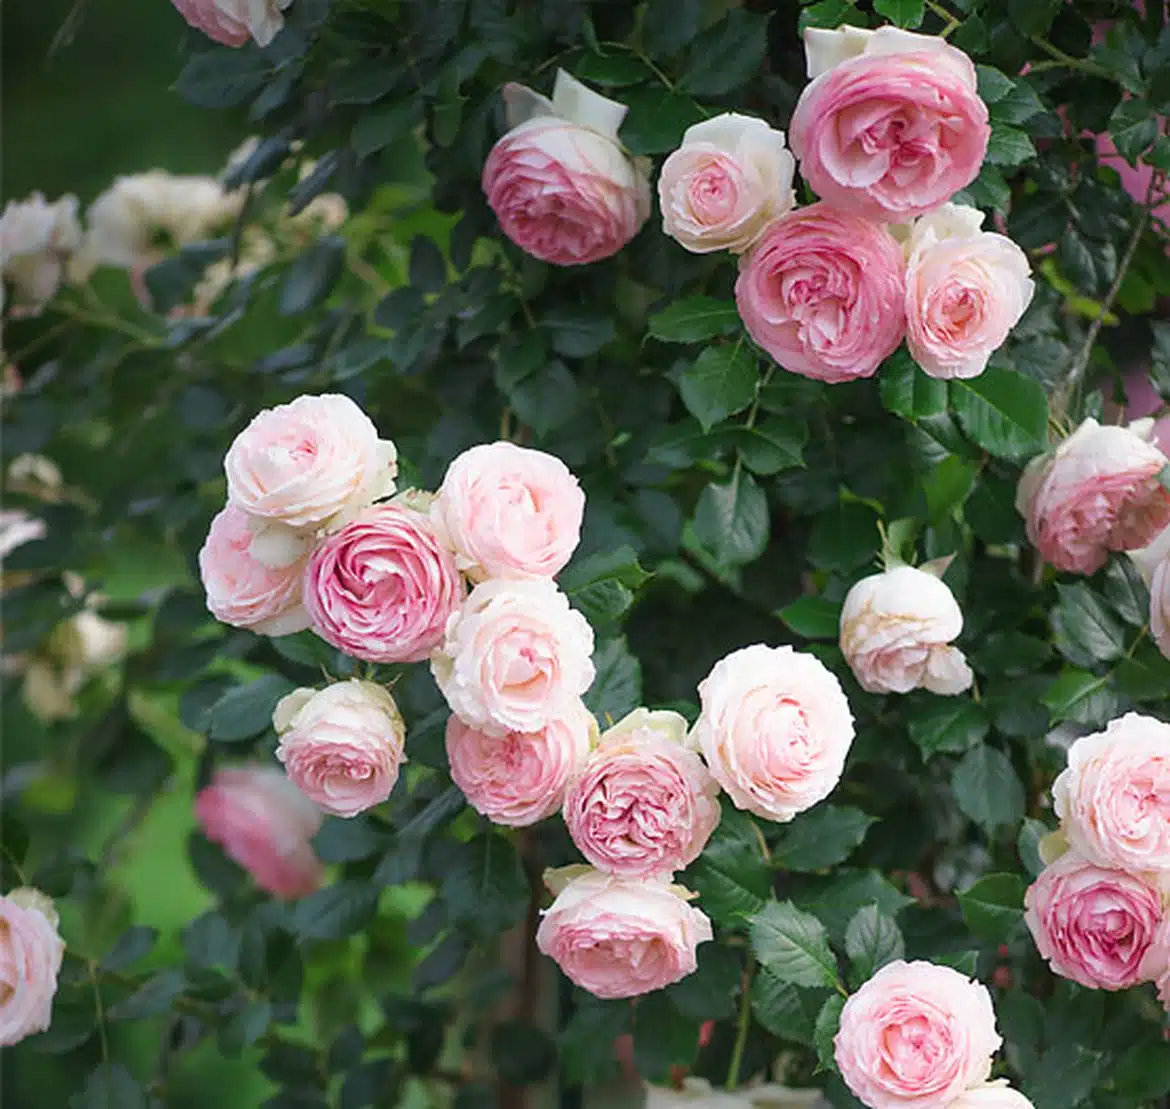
[[242, 590], [893, 127], [896, 629], [1092, 925], [559, 182], [1097, 492], [510, 512], [1156, 965], [644, 805], [383, 587], [823, 293], [231, 22], [342, 745], [303, 463], [916, 1035], [515, 657], [775, 728], [965, 290], [30, 957], [1113, 797], [1153, 562], [728, 180], [619, 938], [264, 823], [520, 778], [991, 1095]]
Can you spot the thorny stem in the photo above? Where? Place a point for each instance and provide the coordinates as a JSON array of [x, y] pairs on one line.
[[1059, 59], [745, 1020]]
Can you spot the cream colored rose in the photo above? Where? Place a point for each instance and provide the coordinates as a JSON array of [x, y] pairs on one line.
[[36, 241], [992, 1095], [31, 951]]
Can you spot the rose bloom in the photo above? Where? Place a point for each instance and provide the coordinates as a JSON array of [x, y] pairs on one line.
[[991, 1095], [965, 290], [915, 1035], [823, 293], [342, 745], [384, 586], [728, 180], [1113, 797], [515, 658], [242, 590], [30, 957], [1093, 926], [775, 729], [620, 938], [303, 463], [559, 182], [896, 629], [1153, 563], [645, 804], [1156, 965], [263, 823], [510, 512], [232, 22], [1097, 492], [891, 125], [36, 240], [520, 778]]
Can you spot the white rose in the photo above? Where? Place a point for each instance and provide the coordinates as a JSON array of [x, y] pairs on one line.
[[36, 240], [991, 1095], [826, 49]]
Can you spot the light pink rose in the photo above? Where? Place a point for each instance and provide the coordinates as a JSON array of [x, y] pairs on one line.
[[965, 290], [1156, 965], [520, 778], [342, 745], [1113, 797], [510, 512], [775, 729], [303, 463], [1093, 926], [232, 22], [893, 130], [30, 957], [1097, 492], [264, 823], [1153, 563], [644, 805], [515, 657], [896, 629], [728, 180], [243, 591], [620, 938], [823, 293], [991, 1095], [915, 1036], [559, 182], [383, 587]]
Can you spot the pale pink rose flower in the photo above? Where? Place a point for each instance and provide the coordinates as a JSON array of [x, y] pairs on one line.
[[915, 1036], [644, 806], [1113, 797], [520, 778], [303, 463], [896, 630], [823, 293], [31, 951], [775, 729], [383, 587], [1093, 925], [893, 130], [1153, 563], [991, 1095], [965, 290], [37, 240], [515, 657], [233, 22], [1156, 965], [1098, 491], [510, 512], [265, 824], [620, 938], [242, 590], [342, 746], [559, 181], [728, 180]]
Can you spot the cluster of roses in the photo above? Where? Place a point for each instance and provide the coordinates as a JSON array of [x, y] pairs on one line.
[[889, 129]]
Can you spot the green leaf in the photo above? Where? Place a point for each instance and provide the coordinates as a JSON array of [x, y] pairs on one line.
[[586, 1040], [1028, 845], [813, 617], [1133, 127], [246, 711], [988, 790], [656, 120], [822, 837], [793, 945], [1082, 697], [965, 962], [948, 724], [694, 319], [1003, 412], [617, 689], [825, 1031], [1063, 1078], [375, 131], [872, 940], [731, 876], [134, 944], [245, 1027], [903, 13], [1145, 677], [664, 1037], [578, 332], [844, 538], [907, 391], [520, 1052], [719, 383], [1084, 630], [485, 885], [993, 907], [111, 1086], [311, 277], [830, 14], [1143, 1072], [727, 55], [222, 78], [773, 445], [336, 912], [670, 24], [1008, 146], [547, 398], [732, 520], [614, 70], [349, 840], [154, 996], [1019, 105], [993, 85], [836, 898], [620, 565], [1126, 591], [786, 1010]]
